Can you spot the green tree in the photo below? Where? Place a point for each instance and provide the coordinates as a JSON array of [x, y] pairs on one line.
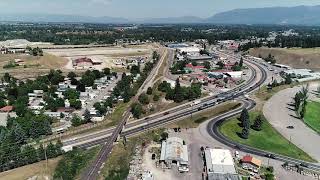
[[178, 94], [106, 71], [149, 91], [87, 116], [144, 99], [257, 125], [72, 75], [245, 133], [156, 97], [288, 79], [244, 118], [71, 94], [76, 121], [207, 65], [51, 151], [241, 62], [136, 110], [2, 102], [135, 70]]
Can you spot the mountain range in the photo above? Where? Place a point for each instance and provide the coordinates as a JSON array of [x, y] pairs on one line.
[[299, 15]]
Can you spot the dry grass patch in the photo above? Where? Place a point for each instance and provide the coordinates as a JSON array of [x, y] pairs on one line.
[[294, 57], [36, 169]]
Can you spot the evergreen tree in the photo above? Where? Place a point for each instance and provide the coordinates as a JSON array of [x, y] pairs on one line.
[[178, 94], [257, 125], [245, 133], [87, 116]]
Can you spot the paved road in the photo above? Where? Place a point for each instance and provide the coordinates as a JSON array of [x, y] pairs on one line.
[[280, 115]]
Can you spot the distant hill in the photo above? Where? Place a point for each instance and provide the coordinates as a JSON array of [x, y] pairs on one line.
[[174, 20], [300, 15], [61, 18]]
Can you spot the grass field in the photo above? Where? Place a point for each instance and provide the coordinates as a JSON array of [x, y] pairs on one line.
[[294, 57], [312, 117], [268, 139], [199, 118], [37, 169]]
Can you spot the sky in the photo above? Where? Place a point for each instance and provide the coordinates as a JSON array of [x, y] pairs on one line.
[[139, 9]]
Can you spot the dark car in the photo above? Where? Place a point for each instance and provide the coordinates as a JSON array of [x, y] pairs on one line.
[[166, 113], [304, 165], [272, 156], [290, 127]]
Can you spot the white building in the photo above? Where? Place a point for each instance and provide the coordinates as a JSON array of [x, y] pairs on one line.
[[189, 50], [235, 74], [220, 165], [174, 151]]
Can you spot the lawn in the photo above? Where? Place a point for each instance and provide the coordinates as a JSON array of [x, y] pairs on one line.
[[198, 118], [268, 139], [312, 118]]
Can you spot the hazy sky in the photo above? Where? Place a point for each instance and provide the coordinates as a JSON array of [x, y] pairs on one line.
[[133, 9]]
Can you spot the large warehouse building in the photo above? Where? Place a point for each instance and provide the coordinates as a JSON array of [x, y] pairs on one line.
[[220, 165], [174, 151]]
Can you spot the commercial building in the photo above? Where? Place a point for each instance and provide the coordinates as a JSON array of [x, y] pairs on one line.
[[234, 74], [251, 162], [200, 58], [175, 152], [85, 62], [220, 165], [189, 50], [303, 74]]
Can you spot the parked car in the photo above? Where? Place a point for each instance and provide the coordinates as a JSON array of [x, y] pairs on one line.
[[237, 154]]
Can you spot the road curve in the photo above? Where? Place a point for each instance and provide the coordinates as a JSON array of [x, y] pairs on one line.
[[213, 129]]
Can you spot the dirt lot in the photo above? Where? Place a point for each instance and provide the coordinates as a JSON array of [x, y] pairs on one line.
[[294, 57], [32, 65], [33, 170], [107, 55]]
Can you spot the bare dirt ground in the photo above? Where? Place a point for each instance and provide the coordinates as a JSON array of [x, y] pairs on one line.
[[107, 55], [294, 57], [37, 170], [33, 65]]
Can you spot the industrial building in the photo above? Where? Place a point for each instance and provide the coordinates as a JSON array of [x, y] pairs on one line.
[[220, 165], [302, 75], [175, 152]]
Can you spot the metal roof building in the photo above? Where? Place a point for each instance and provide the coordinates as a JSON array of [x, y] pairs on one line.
[[174, 151], [220, 165]]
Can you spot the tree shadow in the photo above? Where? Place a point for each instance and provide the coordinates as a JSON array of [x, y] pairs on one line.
[[239, 134], [294, 116], [240, 124], [291, 104], [292, 109]]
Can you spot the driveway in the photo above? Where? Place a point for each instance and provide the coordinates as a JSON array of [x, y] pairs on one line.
[[281, 115]]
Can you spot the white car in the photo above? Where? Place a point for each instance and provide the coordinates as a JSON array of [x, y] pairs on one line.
[[236, 154]]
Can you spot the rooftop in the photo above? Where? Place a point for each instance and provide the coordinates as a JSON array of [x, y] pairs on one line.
[[173, 149], [252, 160], [219, 161]]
